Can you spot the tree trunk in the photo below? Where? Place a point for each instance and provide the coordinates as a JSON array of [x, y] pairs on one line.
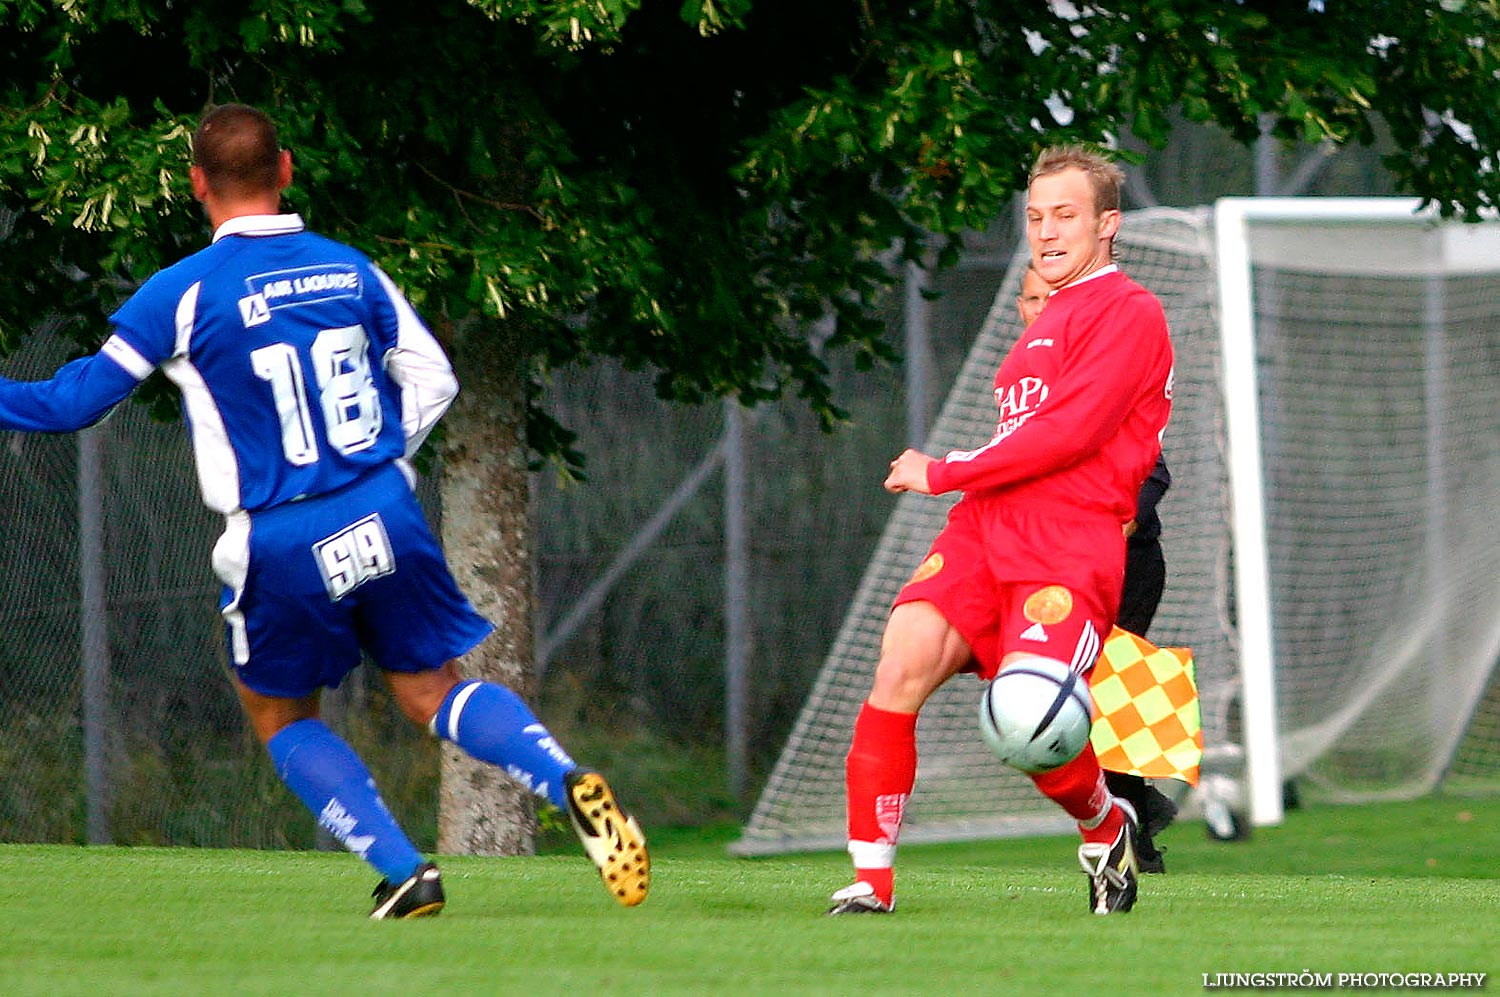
[[487, 536]]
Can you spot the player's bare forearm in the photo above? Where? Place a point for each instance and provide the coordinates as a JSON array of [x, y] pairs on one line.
[[909, 473]]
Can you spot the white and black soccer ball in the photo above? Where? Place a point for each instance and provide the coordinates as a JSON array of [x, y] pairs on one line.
[[1036, 714]]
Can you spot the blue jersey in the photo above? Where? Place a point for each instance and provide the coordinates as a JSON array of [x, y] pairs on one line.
[[305, 374], [301, 365]]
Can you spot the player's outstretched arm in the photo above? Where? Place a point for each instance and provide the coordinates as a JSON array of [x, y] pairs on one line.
[[80, 394]]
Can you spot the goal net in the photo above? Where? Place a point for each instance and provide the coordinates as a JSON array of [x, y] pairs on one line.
[[1335, 465]]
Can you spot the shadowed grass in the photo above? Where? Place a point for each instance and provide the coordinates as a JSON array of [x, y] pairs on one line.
[[1397, 888]]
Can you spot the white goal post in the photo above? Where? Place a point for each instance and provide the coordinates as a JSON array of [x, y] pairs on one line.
[[1321, 227], [1330, 556]]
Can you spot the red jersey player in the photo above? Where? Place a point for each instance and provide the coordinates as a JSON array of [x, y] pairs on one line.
[[1031, 559]]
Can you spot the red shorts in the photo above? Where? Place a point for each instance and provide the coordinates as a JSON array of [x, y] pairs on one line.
[[1014, 579]]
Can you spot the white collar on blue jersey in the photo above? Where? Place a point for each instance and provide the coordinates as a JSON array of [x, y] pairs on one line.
[[260, 225]]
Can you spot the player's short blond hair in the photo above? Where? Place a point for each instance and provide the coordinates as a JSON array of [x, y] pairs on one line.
[[1105, 176]]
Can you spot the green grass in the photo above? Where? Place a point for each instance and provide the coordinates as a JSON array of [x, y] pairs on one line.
[[1394, 888]]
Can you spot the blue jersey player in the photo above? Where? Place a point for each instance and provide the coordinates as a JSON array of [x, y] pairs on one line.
[[307, 381]]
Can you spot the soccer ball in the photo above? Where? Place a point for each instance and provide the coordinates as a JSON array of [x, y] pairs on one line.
[[1036, 715]]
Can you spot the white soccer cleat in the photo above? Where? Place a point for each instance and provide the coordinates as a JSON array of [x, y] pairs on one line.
[[860, 898]]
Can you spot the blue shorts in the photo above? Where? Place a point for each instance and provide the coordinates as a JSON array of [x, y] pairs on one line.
[[311, 584]]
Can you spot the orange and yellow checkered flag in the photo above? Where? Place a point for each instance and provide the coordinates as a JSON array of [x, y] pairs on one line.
[[1146, 716]]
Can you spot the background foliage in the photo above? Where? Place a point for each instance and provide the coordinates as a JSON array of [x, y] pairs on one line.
[[683, 189]]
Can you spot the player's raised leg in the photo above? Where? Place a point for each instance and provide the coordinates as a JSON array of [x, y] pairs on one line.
[[1108, 826], [1072, 618], [493, 724]]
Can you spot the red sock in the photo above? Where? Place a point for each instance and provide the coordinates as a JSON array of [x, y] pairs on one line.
[[883, 880], [1078, 787], [879, 773]]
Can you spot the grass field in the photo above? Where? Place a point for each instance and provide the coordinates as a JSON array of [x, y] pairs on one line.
[[1388, 889]]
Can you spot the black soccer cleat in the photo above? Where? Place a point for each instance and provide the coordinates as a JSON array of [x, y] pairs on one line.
[[1112, 868], [419, 895], [1156, 809], [1148, 857], [1157, 813], [611, 838]]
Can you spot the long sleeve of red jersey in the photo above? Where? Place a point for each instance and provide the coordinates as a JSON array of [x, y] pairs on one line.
[[1067, 387]]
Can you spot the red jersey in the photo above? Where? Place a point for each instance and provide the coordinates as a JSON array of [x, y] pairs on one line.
[[1084, 397]]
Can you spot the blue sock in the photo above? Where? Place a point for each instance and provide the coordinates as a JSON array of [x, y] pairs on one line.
[[333, 782], [494, 725]]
